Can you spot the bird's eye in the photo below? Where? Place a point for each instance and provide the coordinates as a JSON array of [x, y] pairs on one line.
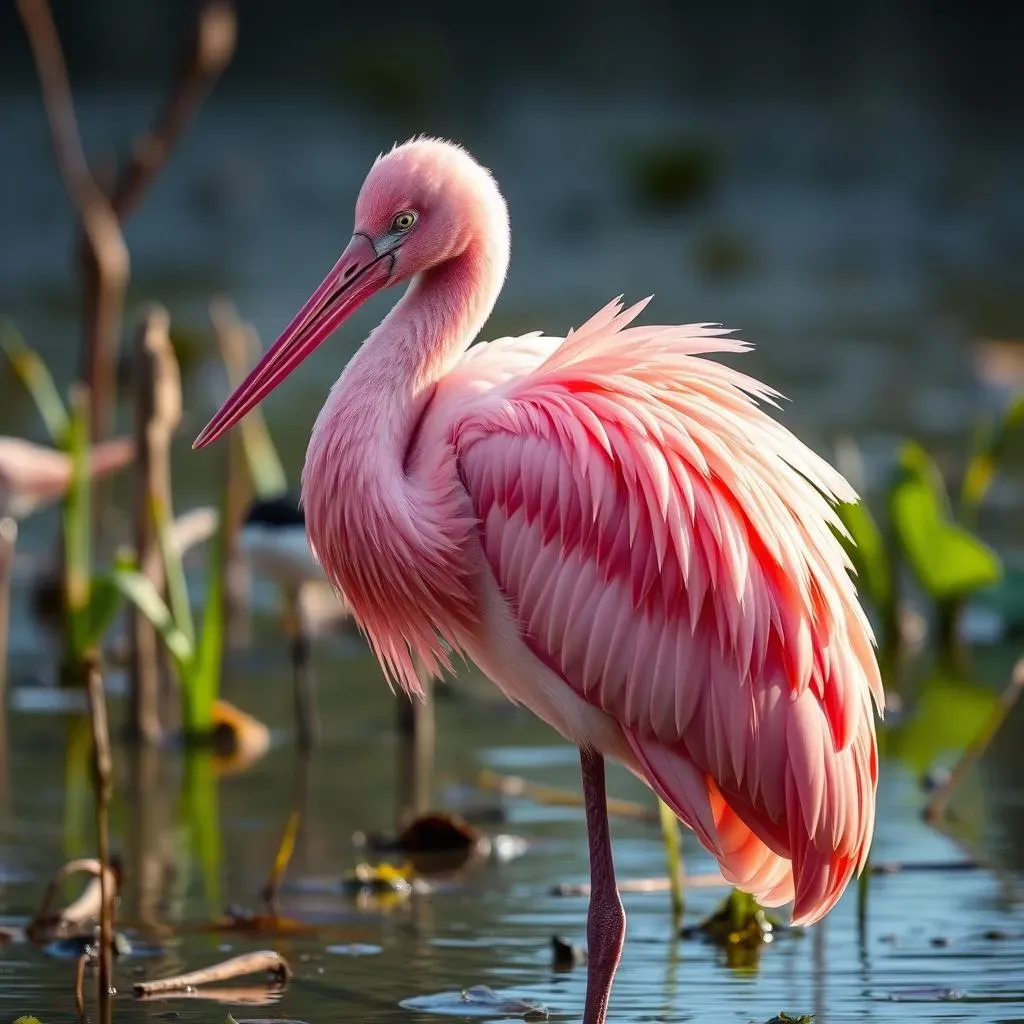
[[404, 221]]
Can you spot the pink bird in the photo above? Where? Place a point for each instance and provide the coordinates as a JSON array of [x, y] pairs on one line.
[[609, 526]]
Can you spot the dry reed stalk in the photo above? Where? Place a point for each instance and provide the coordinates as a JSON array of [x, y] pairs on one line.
[[935, 809], [8, 548], [104, 783], [234, 342], [157, 384], [80, 985]]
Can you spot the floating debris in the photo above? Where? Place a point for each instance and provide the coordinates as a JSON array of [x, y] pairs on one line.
[[442, 842], [565, 956], [241, 919], [740, 926], [266, 961], [438, 832], [478, 1001], [787, 1018], [263, 1020], [75, 920], [379, 880], [355, 949], [926, 995]]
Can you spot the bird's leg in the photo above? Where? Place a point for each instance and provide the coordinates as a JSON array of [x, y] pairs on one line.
[[606, 922], [306, 718]]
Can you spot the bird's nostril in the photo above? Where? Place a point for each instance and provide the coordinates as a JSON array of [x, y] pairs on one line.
[[349, 272]]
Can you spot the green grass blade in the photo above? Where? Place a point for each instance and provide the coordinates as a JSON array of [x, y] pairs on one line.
[[177, 587], [35, 377], [201, 817], [265, 468], [78, 797], [76, 522], [673, 851], [206, 678], [146, 598]]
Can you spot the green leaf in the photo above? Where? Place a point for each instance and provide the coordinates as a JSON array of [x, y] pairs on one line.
[[947, 560], [30, 369], [76, 522], [104, 604], [177, 587], [143, 594], [866, 550], [105, 599], [944, 717]]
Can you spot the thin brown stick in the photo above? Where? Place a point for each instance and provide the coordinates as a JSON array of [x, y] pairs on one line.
[[307, 717], [80, 985], [233, 343], [208, 52], [249, 963], [414, 719], [103, 781], [8, 547], [157, 384], [513, 785], [103, 254], [935, 809], [285, 850]]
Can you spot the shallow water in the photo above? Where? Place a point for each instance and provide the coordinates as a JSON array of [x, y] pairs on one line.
[[940, 944]]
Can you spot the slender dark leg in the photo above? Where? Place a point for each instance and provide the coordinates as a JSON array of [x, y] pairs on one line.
[[606, 922], [307, 719]]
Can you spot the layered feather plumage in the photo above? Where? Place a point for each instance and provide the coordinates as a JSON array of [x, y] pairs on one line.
[[668, 549]]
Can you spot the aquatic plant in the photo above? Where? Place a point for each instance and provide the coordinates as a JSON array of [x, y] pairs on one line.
[[924, 533], [196, 655], [91, 600]]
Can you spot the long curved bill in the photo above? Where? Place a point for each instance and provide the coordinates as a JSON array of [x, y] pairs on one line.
[[358, 274]]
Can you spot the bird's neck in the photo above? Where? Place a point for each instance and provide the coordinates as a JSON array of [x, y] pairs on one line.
[[373, 410]]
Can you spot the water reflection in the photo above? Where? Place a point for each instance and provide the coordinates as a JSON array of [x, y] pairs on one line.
[[196, 840]]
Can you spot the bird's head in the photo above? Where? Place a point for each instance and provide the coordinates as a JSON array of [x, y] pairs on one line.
[[423, 204]]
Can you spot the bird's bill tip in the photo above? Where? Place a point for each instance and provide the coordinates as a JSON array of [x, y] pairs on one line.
[[358, 274]]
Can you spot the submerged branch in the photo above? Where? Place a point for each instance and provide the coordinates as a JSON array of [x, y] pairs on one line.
[[513, 785]]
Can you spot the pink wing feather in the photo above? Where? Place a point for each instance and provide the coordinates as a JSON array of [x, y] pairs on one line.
[[666, 548]]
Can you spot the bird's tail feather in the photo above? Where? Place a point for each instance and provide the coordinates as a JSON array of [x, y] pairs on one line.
[[753, 853]]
